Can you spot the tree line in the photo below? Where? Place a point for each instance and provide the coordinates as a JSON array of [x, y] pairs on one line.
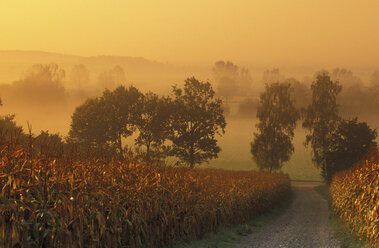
[[184, 124], [336, 143], [236, 86]]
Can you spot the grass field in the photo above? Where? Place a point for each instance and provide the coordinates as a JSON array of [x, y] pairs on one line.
[[235, 151]]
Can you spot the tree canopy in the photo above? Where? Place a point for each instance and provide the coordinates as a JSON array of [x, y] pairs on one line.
[[197, 119], [153, 124], [102, 122], [272, 145], [321, 118], [348, 144]]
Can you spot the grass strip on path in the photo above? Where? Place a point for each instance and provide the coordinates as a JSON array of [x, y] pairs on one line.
[[226, 237], [342, 234]]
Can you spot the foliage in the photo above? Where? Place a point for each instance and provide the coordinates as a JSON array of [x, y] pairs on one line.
[[52, 203], [345, 238], [301, 93], [101, 123], [197, 118], [226, 74], [121, 111], [10, 132], [355, 198], [348, 144], [153, 124], [272, 145], [88, 127], [49, 145], [41, 86], [232, 80], [321, 118]]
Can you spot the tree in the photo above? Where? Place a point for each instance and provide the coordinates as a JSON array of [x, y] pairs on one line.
[[226, 75], [232, 80], [101, 123], [10, 132], [272, 76], [272, 145], [121, 112], [153, 124], [88, 127], [111, 78], [321, 118], [197, 119], [42, 86], [79, 76], [348, 144]]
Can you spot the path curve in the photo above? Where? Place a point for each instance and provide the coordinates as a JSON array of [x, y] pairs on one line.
[[304, 224]]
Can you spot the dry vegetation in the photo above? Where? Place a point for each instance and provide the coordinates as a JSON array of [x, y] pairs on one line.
[[67, 203], [355, 198]]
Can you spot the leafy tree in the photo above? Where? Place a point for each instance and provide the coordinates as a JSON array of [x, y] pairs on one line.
[[345, 77], [348, 144], [226, 74], [153, 124], [88, 126], [232, 80], [102, 123], [121, 113], [272, 145], [197, 118], [321, 118], [301, 93]]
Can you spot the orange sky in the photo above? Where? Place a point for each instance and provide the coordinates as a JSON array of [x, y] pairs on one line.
[[278, 32]]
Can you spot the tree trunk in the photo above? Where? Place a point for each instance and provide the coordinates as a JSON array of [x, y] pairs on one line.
[[120, 146], [325, 165]]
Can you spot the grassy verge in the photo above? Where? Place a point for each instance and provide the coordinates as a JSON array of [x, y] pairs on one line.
[[342, 234], [226, 237]]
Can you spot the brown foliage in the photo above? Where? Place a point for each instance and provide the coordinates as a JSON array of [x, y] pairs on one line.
[[49, 203], [355, 197]]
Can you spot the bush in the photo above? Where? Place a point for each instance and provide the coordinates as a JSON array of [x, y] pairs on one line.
[[349, 143]]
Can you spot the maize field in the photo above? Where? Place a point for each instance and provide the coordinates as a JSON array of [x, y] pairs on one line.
[[51, 203], [355, 198]]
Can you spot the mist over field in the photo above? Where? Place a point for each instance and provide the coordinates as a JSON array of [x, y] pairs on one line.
[[43, 89], [52, 62], [197, 123]]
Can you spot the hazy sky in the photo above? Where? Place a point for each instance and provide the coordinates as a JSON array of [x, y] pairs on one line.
[[261, 32]]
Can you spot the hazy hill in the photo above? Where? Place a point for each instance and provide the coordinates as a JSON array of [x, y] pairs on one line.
[[145, 74]]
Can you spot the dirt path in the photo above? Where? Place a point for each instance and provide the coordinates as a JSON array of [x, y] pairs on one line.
[[304, 224]]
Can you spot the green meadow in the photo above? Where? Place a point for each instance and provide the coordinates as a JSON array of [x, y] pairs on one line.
[[235, 151]]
